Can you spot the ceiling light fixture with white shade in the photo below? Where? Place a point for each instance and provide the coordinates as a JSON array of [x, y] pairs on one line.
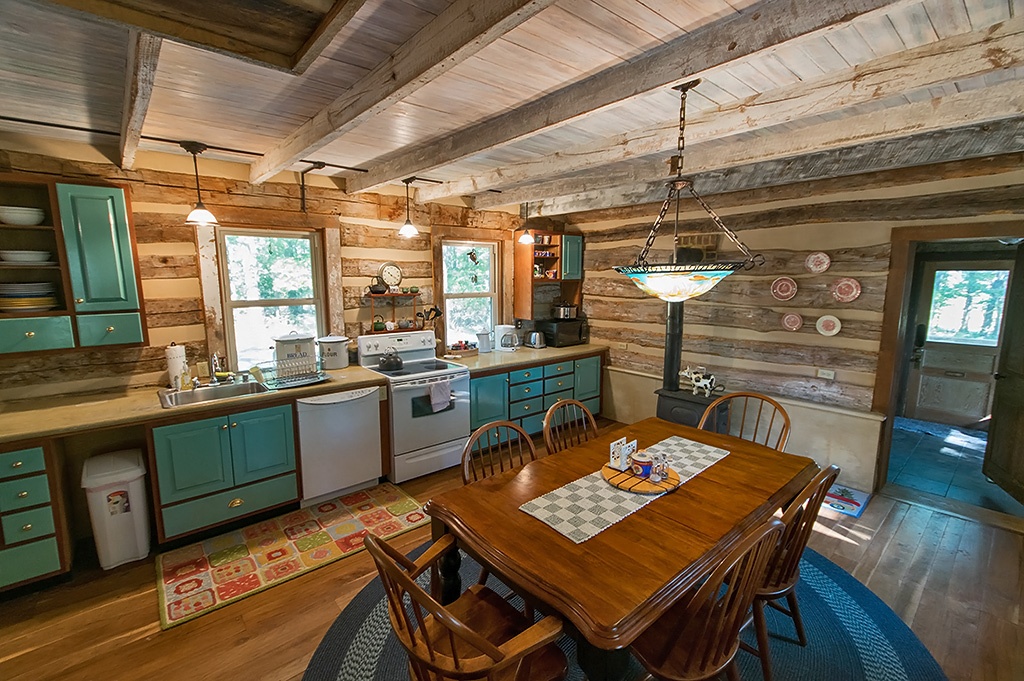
[[200, 216], [525, 237], [675, 281], [408, 230]]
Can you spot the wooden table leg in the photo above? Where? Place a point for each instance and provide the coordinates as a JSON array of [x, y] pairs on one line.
[[599, 664], [446, 584]]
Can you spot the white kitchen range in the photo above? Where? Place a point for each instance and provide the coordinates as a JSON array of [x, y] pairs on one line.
[[429, 400]]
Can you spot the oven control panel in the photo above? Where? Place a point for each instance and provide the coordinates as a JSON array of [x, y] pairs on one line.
[[403, 342]]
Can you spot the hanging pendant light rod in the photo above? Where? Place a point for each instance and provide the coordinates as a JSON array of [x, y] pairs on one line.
[[200, 215]]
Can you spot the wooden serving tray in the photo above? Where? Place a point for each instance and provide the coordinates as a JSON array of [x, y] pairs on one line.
[[626, 480]]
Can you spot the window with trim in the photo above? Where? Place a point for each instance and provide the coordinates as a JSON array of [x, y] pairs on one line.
[[470, 280], [272, 285], [967, 306]]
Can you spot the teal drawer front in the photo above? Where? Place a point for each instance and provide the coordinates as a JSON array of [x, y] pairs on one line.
[[555, 397], [557, 384], [524, 375], [19, 527], [533, 424], [28, 561], [525, 408], [593, 405], [21, 462], [110, 329], [560, 369], [35, 333], [218, 508], [15, 494], [525, 391]]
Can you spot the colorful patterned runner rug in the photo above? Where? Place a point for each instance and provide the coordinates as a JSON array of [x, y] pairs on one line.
[[201, 577]]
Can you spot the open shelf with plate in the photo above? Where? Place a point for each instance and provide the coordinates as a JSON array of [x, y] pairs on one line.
[[552, 258]]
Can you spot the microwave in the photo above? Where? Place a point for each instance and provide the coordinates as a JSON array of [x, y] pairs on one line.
[[559, 333]]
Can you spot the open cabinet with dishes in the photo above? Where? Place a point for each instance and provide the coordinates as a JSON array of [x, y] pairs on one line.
[[68, 273], [551, 259]]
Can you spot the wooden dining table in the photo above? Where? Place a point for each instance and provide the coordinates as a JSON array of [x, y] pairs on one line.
[[613, 586]]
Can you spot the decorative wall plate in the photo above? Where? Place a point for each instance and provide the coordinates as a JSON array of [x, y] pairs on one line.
[[827, 325], [791, 321], [846, 290], [817, 262], [783, 288]]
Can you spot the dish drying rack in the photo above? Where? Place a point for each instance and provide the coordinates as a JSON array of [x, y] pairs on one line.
[[288, 373]]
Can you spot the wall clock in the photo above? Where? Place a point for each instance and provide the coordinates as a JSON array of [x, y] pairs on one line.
[[390, 273]]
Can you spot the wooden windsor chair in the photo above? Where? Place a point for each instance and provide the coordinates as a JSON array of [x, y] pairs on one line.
[[566, 424], [760, 418], [495, 448]]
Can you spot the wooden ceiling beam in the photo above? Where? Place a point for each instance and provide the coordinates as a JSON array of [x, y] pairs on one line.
[[945, 61], [939, 146], [764, 26], [337, 18], [140, 72], [459, 32]]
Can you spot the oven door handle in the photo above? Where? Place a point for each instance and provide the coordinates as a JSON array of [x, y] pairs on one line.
[[421, 384]]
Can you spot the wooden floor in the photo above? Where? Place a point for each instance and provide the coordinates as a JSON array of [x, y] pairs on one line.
[[955, 581]]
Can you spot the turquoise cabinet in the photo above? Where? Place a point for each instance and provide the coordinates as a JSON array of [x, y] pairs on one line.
[[488, 400], [572, 257], [118, 328], [214, 470], [94, 221], [587, 378], [30, 334]]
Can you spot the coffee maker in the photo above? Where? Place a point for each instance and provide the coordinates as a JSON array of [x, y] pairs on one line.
[[506, 339]]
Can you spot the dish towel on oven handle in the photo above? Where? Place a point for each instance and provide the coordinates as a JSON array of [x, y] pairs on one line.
[[440, 395]]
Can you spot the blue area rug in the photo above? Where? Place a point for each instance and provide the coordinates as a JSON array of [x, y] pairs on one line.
[[852, 636]]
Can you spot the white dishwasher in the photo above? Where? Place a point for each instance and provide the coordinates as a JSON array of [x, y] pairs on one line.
[[339, 443]]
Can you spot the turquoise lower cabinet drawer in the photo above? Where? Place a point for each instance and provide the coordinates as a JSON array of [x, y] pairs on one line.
[[526, 407], [27, 561], [234, 503], [524, 375], [36, 333], [557, 384], [109, 329], [555, 397], [533, 424], [19, 527], [15, 494], [593, 405], [22, 462], [560, 369], [525, 391]]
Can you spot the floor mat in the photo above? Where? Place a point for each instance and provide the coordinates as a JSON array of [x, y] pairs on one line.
[[845, 500], [202, 577]]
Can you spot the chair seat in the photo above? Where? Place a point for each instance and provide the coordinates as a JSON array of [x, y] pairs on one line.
[[673, 626], [491, 616]]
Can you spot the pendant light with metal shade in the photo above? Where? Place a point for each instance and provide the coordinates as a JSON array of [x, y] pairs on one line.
[[408, 230], [200, 216]]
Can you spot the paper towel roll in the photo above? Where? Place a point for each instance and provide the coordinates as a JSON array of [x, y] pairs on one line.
[[176, 365]]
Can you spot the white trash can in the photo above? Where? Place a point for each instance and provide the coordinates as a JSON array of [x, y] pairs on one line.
[[115, 488]]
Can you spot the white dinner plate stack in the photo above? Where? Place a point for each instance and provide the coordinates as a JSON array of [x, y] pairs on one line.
[[28, 297]]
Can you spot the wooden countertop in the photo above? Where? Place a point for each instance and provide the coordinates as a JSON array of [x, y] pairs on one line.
[[498, 362], [64, 415]]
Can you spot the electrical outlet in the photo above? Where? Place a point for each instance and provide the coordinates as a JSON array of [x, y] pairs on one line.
[[622, 346], [827, 374]]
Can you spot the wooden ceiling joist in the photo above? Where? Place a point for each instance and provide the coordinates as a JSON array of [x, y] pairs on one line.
[[952, 59], [337, 18], [143, 54], [459, 32], [772, 22]]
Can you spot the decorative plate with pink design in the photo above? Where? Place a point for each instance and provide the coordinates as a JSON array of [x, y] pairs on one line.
[[791, 321], [846, 290], [817, 262], [827, 325], [783, 288]]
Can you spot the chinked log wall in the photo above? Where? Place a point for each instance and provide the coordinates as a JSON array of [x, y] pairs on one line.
[[359, 233], [735, 330]]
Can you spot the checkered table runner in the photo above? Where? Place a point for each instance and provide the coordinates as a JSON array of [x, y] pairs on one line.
[[585, 507]]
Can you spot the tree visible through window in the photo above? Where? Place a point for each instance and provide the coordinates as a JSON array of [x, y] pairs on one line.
[[272, 287], [967, 306], [470, 288]]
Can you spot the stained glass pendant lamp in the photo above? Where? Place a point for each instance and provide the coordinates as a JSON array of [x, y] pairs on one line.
[[676, 282], [199, 216], [408, 230]]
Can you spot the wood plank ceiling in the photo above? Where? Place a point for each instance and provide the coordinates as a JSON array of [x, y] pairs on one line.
[[562, 104]]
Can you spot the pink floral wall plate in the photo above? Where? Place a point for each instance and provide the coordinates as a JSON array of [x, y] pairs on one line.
[[783, 288], [791, 321], [817, 262], [827, 325], [846, 290]]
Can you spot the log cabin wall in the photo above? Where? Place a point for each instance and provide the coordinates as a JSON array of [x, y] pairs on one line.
[[359, 232]]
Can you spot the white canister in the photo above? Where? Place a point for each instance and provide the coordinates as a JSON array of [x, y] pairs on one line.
[[333, 352], [294, 346]]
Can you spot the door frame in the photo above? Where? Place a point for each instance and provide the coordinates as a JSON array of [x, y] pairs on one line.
[[895, 325]]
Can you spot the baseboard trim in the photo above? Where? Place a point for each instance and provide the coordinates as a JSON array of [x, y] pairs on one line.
[[954, 507]]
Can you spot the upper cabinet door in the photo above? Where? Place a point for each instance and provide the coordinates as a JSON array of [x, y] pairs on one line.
[[572, 257], [94, 221]]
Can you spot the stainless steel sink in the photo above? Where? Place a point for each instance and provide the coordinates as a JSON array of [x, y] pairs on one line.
[[208, 393]]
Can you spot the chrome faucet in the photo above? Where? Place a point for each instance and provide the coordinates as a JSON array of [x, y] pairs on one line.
[[196, 383], [214, 368]]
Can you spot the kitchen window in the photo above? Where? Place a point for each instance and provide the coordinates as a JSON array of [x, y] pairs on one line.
[[470, 280], [271, 282]]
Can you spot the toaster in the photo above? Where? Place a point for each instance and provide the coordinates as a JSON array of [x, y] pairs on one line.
[[535, 339]]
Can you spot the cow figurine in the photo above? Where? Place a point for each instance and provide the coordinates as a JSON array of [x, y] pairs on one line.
[[699, 380]]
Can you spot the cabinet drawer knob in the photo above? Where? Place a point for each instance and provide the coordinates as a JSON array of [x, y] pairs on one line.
[[27, 527], [526, 407], [110, 329], [526, 374], [526, 390], [559, 384], [30, 334], [17, 464], [22, 495], [224, 427], [558, 368], [234, 425], [79, 300], [236, 502]]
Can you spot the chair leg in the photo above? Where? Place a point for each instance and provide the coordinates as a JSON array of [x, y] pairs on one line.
[[798, 621], [761, 629], [732, 672]]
